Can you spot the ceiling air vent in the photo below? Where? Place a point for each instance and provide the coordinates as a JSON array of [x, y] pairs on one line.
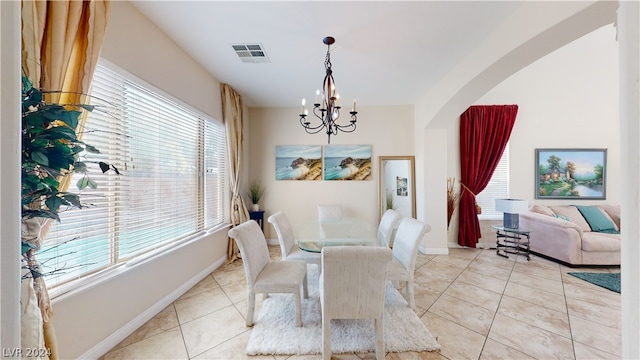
[[250, 53]]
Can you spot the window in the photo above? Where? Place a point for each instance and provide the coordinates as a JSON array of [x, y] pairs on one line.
[[171, 187], [498, 188]]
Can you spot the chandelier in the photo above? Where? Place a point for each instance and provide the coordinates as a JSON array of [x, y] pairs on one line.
[[327, 108]]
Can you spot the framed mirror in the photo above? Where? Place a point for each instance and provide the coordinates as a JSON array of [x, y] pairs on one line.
[[397, 185]]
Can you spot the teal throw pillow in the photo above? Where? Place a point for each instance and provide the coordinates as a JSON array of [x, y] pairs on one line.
[[596, 219], [563, 217]]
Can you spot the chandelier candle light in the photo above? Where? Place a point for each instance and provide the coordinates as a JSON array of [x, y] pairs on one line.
[[328, 109]]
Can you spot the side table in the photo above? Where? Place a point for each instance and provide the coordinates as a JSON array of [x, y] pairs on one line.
[[512, 241], [258, 216]]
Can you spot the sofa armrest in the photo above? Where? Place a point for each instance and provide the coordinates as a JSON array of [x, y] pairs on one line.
[[553, 237]]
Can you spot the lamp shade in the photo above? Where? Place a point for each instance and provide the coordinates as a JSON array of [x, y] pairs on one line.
[[512, 206]]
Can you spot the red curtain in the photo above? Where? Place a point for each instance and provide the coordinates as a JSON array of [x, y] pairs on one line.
[[484, 133]]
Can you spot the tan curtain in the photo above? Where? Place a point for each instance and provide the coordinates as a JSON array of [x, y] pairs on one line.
[[61, 42], [232, 117]]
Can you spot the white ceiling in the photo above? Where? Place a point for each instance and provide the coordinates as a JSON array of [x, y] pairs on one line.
[[386, 52]]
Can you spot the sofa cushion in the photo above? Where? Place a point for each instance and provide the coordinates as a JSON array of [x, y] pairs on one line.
[[595, 241], [613, 211], [573, 214], [597, 218], [541, 209]]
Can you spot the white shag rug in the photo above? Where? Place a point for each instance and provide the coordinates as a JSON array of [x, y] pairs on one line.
[[275, 332]]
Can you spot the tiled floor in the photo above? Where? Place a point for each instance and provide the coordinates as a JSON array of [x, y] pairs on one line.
[[478, 305]]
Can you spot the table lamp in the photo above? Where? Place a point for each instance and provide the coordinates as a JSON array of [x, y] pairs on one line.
[[511, 208]]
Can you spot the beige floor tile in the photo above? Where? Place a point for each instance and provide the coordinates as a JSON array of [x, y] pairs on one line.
[[163, 321], [464, 313], [483, 281], [594, 295], [229, 273], [424, 297], [536, 315], [595, 335], [535, 296], [201, 304], [494, 350], [458, 262], [538, 271], [584, 352], [490, 269], [465, 253], [431, 279], [236, 291], [443, 268], [603, 315], [165, 345], [481, 297], [425, 355], [529, 339], [449, 335], [213, 329], [537, 282], [208, 283], [231, 349]]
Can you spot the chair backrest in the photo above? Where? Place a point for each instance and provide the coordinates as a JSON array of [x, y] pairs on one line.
[[253, 248], [330, 212], [353, 281], [286, 237], [389, 221], [408, 237]]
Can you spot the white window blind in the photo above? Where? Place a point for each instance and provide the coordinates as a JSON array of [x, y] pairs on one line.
[[171, 187], [498, 188]]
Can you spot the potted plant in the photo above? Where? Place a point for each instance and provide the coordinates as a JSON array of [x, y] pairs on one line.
[[256, 190]]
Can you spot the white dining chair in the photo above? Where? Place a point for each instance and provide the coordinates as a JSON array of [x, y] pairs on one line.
[[405, 251], [388, 223], [288, 246], [265, 275], [352, 286]]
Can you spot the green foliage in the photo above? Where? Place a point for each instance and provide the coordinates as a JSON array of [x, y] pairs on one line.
[[256, 190], [51, 149]]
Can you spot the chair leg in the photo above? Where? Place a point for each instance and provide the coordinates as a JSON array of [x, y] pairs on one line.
[[305, 288], [326, 338], [251, 304], [379, 324], [410, 294], [296, 297]]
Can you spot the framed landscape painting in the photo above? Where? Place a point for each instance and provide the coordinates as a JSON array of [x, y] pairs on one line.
[[347, 162], [298, 162], [571, 173]]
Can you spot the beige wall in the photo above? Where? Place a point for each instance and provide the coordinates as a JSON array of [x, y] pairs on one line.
[[92, 320], [382, 127]]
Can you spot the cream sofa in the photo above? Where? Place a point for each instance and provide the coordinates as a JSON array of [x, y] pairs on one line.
[[563, 233]]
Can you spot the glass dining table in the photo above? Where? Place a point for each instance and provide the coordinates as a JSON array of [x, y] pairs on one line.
[[314, 235]]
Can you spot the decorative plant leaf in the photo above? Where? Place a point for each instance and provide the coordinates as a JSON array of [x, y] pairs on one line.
[[93, 184], [59, 132], [40, 213], [53, 203], [83, 182], [91, 149], [103, 166], [40, 158], [80, 166], [72, 199]]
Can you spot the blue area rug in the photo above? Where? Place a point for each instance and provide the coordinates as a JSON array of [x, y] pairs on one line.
[[609, 281]]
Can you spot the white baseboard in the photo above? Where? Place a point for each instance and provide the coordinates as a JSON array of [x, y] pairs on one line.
[[480, 245], [114, 339]]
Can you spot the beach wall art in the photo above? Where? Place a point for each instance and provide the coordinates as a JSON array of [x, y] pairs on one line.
[[298, 162], [347, 162], [571, 173]]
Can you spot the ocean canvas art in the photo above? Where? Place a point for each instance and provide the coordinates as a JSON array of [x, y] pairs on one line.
[[347, 162], [298, 162]]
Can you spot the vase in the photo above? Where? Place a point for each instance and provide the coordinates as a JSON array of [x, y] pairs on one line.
[[255, 207]]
